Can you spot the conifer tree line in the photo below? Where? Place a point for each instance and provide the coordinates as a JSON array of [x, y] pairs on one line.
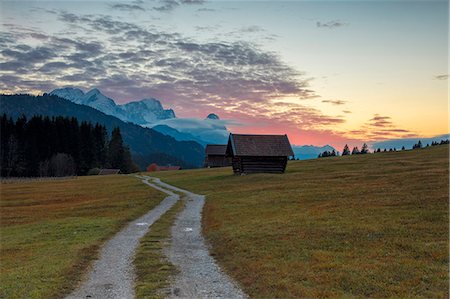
[[365, 149], [417, 145], [59, 146]]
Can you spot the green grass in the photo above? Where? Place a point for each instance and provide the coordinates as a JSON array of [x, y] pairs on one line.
[[356, 226], [52, 230], [153, 270]]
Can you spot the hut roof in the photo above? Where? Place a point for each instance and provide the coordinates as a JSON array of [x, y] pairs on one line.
[[216, 149], [165, 168], [106, 171], [259, 145]]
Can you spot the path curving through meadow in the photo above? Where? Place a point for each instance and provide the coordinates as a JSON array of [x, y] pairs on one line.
[[112, 275], [199, 275]]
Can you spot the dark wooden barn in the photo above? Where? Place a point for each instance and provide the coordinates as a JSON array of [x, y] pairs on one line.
[[258, 153], [215, 156], [107, 171]]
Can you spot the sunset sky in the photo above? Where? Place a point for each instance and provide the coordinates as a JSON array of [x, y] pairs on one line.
[[322, 72]]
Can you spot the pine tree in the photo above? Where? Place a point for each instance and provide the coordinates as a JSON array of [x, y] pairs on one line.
[[346, 151], [355, 151], [116, 151], [87, 148], [101, 145], [364, 149]]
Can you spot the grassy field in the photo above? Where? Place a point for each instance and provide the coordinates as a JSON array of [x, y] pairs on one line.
[[356, 226], [153, 270], [51, 230]]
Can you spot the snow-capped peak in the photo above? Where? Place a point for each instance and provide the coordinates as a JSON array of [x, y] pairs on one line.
[[68, 93], [94, 91], [212, 116], [148, 110]]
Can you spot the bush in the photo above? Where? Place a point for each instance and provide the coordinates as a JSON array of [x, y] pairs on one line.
[[93, 171]]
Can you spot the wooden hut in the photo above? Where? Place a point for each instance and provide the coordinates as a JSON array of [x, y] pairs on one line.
[[108, 171], [215, 156], [155, 167], [258, 153]]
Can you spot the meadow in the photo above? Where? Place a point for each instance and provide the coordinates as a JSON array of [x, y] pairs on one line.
[[371, 225], [51, 230]]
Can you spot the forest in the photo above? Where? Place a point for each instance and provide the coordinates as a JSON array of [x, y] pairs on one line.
[[59, 146]]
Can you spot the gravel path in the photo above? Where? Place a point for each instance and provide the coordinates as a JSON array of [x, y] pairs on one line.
[[112, 275], [199, 275]]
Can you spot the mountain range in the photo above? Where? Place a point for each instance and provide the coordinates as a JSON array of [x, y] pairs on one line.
[[305, 152], [407, 142], [147, 114], [150, 113], [147, 146], [141, 112]]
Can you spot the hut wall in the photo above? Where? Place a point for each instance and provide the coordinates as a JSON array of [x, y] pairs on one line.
[[236, 163], [217, 161], [252, 164]]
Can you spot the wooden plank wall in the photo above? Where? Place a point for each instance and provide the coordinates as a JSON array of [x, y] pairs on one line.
[[217, 161], [259, 164]]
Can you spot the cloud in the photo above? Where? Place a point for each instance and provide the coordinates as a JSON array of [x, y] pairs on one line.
[[166, 5], [380, 127], [441, 77], [208, 130], [192, 1], [206, 9], [335, 102], [129, 61], [346, 111], [380, 121], [207, 28], [127, 7], [251, 29], [331, 24], [169, 5]]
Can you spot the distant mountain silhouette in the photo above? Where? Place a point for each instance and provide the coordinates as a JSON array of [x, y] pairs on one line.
[[147, 145], [166, 130], [305, 152], [407, 142]]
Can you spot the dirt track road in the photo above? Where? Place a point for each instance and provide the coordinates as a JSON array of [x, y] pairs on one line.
[[199, 275], [112, 275]]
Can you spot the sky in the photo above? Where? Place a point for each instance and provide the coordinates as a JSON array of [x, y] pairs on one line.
[[330, 72]]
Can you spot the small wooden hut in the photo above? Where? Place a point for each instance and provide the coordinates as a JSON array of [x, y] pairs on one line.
[[108, 171], [258, 153], [215, 156], [155, 167]]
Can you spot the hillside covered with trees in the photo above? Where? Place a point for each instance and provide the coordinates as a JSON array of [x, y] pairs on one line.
[[146, 145], [59, 146]]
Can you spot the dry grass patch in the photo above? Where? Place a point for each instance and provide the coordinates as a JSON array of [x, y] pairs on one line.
[[357, 226], [52, 230]]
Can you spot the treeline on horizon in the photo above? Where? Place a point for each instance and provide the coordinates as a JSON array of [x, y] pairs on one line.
[[59, 146], [365, 149]]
